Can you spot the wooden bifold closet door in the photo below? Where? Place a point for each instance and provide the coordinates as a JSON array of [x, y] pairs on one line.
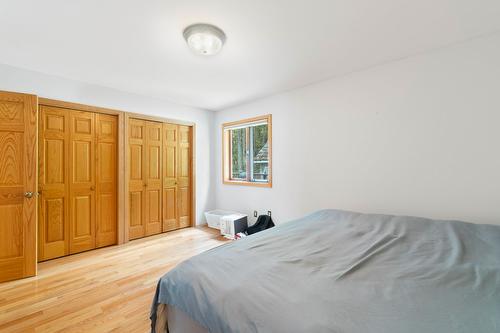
[[145, 183], [159, 177], [106, 179], [82, 182], [153, 178], [184, 177], [53, 180], [77, 181], [170, 134], [137, 184]]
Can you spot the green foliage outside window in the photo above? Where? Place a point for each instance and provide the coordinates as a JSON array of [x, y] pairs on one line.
[[249, 153], [239, 162]]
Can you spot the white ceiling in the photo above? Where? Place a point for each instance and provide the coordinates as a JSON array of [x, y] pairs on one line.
[[272, 45]]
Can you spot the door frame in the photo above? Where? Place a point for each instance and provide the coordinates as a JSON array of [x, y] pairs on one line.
[[127, 117]]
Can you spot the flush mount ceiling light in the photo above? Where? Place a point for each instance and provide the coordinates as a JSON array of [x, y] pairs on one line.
[[204, 39]]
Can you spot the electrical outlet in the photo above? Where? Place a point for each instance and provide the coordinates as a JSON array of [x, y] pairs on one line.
[[269, 212], [254, 213]]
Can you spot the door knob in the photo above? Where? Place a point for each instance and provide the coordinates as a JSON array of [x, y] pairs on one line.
[[28, 195], [92, 188]]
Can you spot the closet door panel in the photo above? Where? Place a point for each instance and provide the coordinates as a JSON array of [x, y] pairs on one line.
[[106, 179], [137, 185], [136, 161], [136, 209], [153, 178], [82, 162], [82, 218], [184, 207], [170, 209], [82, 182], [53, 230], [54, 160], [184, 173], [170, 148], [54, 220], [154, 212], [184, 177], [170, 135]]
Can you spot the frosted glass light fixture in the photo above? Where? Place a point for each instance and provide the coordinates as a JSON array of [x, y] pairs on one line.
[[204, 39]]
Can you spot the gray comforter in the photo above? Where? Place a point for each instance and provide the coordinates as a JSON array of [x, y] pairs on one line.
[[338, 271]]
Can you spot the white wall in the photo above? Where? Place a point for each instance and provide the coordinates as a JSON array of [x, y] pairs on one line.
[[20, 80], [420, 136]]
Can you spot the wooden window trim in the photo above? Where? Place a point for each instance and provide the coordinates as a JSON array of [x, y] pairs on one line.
[[226, 153]]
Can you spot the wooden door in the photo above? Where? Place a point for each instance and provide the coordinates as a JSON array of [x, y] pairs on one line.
[[106, 179], [18, 121], [184, 177], [170, 134], [82, 181], [53, 153], [137, 162], [153, 178]]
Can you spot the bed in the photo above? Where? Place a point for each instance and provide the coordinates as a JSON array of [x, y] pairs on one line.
[[339, 271]]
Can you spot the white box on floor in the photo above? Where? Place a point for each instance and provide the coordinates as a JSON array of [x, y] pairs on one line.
[[230, 225], [214, 216]]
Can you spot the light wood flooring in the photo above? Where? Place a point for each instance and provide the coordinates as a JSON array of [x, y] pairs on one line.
[[105, 290]]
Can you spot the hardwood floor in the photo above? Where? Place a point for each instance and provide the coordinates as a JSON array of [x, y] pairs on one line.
[[104, 290]]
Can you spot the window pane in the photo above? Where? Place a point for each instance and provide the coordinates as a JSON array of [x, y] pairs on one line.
[[239, 156], [260, 153]]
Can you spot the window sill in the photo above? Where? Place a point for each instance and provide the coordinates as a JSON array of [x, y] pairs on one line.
[[244, 183]]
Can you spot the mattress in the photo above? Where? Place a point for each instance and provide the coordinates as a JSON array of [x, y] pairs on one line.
[[180, 322], [338, 271]]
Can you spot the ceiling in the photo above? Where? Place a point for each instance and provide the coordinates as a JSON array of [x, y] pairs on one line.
[[272, 45]]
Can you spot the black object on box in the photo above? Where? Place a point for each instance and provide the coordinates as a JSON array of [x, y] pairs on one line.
[[240, 225], [263, 222]]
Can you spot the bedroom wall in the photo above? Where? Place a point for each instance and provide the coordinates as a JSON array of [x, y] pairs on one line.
[[420, 136], [20, 80]]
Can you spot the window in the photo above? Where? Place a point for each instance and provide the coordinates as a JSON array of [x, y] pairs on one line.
[[247, 152]]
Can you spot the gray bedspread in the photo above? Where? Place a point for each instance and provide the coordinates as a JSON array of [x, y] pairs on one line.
[[338, 271]]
